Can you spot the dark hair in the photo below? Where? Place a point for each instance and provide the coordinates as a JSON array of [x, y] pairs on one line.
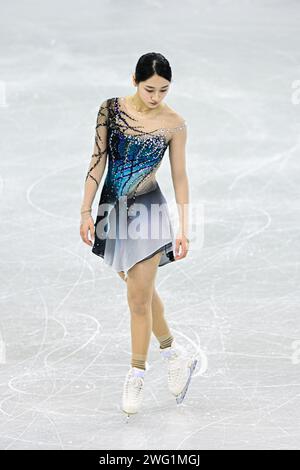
[[150, 64]]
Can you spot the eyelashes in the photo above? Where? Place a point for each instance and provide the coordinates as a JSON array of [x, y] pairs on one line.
[[150, 91]]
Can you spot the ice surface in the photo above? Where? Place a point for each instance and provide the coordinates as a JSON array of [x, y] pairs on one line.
[[234, 300]]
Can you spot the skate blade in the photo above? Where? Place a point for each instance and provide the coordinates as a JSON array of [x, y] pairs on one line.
[[128, 415], [180, 397]]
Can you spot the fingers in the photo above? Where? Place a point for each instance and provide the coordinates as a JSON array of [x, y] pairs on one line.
[[184, 249], [84, 231], [177, 246], [92, 230], [123, 275], [84, 236]]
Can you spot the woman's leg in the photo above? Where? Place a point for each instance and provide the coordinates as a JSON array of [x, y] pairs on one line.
[[160, 326], [140, 284]]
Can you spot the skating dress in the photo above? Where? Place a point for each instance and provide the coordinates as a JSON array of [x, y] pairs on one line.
[[133, 221]]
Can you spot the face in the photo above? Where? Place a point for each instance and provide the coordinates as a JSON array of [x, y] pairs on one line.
[[153, 90]]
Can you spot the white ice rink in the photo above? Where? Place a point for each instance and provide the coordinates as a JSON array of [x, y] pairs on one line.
[[234, 300]]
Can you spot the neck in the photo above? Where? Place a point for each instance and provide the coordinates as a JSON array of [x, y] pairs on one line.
[[138, 104]]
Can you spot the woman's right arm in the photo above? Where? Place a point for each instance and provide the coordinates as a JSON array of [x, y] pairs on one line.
[[95, 172]]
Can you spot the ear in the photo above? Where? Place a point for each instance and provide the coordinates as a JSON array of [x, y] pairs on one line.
[[133, 79]]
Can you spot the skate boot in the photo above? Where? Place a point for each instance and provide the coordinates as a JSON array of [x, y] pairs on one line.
[[133, 391], [180, 370]]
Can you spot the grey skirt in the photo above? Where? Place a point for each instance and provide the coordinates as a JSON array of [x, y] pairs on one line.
[[128, 232]]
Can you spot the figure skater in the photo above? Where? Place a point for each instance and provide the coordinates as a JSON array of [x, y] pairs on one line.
[[132, 134]]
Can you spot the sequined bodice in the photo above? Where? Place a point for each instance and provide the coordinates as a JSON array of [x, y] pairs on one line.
[[135, 148], [134, 155]]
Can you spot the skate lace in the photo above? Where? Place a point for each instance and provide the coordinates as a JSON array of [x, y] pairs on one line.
[[134, 386], [175, 370]]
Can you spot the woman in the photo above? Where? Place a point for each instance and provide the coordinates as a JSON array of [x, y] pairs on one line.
[[134, 132]]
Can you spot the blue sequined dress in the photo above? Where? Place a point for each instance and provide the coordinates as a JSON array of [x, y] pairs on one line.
[[133, 221]]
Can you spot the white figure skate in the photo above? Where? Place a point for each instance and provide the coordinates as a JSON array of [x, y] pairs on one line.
[[133, 392], [180, 371]]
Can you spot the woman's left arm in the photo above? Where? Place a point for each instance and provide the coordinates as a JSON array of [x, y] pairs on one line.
[[177, 156]]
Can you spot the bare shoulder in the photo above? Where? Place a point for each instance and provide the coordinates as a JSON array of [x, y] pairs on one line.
[[174, 119]]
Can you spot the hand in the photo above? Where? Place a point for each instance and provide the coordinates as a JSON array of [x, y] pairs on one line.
[[86, 225], [183, 242]]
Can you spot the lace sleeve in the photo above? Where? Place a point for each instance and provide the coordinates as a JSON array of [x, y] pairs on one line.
[[98, 159]]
